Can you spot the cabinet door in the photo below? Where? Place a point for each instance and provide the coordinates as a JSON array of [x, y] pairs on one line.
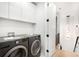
[[4, 9], [15, 10], [28, 12]]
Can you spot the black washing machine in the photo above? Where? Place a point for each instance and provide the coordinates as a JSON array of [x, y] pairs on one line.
[[34, 46], [14, 48]]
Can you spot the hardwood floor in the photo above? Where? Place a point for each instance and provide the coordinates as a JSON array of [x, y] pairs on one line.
[[62, 53]]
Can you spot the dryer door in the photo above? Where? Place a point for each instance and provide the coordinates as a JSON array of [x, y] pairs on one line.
[[35, 47], [17, 51]]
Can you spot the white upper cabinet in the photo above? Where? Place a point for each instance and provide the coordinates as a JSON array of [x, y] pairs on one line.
[[15, 10], [29, 12], [18, 11], [22, 11], [4, 9]]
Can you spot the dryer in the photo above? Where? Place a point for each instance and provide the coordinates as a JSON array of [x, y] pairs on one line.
[[14, 48], [34, 46]]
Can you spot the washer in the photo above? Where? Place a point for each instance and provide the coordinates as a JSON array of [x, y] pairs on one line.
[[34, 48], [14, 48]]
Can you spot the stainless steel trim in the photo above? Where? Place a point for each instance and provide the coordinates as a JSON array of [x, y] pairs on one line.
[[17, 47], [38, 48]]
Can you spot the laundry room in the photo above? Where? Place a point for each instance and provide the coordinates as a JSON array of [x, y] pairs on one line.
[[27, 21], [39, 29]]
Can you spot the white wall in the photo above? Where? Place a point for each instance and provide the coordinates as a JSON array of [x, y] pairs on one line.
[[68, 29], [14, 26], [50, 28], [43, 13]]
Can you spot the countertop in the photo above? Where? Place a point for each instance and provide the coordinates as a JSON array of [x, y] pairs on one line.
[[21, 36]]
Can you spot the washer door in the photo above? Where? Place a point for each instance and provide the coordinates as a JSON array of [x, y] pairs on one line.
[[35, 47], [18, 51]]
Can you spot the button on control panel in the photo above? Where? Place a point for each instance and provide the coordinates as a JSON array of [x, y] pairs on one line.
[[17, 42]]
